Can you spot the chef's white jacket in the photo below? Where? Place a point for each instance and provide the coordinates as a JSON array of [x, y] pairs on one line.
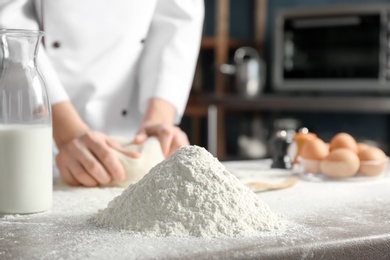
[[110, 57]]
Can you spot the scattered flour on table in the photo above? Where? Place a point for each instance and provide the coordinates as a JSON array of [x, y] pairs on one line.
[[188, 194]]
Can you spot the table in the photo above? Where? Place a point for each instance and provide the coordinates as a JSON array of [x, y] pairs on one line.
[[324, 220]]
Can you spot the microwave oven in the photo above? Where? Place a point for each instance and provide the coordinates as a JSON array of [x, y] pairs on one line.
[[332, 49]]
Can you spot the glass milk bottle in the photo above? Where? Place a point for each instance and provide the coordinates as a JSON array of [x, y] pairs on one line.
[[26, 184]]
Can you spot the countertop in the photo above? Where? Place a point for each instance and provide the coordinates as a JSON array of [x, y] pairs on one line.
[[347, 219]]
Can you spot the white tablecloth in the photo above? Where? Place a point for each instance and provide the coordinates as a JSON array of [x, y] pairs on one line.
[[324, 220]]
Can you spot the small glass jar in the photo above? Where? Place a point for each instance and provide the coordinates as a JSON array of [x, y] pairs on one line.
[[26, 181]]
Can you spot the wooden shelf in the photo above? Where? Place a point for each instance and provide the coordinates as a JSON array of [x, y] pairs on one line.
[[273, 102], [196, 110], [211, 43]]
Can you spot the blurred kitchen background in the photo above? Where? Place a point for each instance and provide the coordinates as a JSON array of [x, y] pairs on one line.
[[246, 133]]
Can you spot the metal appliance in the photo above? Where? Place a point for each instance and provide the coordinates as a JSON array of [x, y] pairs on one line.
[[332, 49], [249, 71]]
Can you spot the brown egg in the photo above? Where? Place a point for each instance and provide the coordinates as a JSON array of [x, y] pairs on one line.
[[299, 140], [343, 140], [372, 161], [327, 146], [362, 146], [314, 149], [340, 163]]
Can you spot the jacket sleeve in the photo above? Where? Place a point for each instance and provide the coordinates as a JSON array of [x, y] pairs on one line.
[[23, 14], [168, 61]]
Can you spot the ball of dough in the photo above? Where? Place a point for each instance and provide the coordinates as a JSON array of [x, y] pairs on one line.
[[136, 168]]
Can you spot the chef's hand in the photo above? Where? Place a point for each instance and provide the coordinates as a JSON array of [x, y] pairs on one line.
[[89, 160], [171, 137]]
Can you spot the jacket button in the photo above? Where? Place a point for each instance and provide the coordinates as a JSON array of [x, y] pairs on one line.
[[56, 45], [124, 112], [143, 41]]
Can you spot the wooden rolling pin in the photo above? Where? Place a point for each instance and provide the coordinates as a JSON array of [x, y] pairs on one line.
[[262, 186]]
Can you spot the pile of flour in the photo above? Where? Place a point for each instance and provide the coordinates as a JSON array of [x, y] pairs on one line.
[[188, 194]]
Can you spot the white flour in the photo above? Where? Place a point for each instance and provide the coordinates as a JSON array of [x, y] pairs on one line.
[[188, 194]]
